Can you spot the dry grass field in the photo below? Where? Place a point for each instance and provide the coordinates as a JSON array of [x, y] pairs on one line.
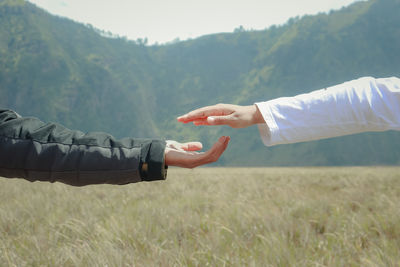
[[208, 217]]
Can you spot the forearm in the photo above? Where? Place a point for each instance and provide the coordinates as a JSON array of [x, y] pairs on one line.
[[34, 150], [362, 105]]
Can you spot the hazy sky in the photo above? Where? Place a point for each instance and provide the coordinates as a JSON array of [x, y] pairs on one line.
[[164, 20]]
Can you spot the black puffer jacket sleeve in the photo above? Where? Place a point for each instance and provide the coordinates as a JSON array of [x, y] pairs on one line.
[[38, 151]]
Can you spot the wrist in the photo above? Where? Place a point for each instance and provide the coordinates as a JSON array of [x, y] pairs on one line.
[[257, 117]]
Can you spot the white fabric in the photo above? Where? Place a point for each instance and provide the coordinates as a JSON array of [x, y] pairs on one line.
[[366, 104]]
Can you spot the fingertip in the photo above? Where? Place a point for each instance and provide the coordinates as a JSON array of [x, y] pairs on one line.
[[228, 138], [225, 140], [181, 119]]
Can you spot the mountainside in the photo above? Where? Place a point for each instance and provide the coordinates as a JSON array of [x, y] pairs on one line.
[[62, 71]]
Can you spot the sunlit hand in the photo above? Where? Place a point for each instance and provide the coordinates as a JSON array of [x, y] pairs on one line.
[[185, 154], [224, 114]]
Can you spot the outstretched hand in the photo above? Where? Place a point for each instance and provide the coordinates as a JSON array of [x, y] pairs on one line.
[[224, 114], [185, 154]]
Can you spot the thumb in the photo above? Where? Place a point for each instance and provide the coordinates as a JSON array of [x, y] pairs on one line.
[[219, 120]]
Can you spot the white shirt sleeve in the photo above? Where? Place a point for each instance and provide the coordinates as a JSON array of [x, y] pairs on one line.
[[366, 104]]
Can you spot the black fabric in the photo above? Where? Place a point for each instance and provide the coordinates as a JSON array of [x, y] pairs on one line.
[[156, 152], [38, 151]]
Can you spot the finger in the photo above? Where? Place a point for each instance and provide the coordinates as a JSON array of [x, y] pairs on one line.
[[192, 146], [214, 153], [201, 113], [220, 146], [174, 144], [200, 122], [226, 143], [189, 146], [215, 120], [220, 120]]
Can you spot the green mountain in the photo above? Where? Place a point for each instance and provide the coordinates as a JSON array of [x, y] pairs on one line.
[[63, 71]]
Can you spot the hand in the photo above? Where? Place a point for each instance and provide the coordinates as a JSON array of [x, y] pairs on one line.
[[185, 155], [224, 114]]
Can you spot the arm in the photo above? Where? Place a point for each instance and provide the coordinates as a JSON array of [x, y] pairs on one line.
[[366, 104], [38, 151], [362, 105]]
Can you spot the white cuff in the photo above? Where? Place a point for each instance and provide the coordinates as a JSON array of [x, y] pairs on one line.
[[269, 130]]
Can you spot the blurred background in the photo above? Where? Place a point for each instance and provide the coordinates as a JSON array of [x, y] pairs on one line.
[[131, 67]]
